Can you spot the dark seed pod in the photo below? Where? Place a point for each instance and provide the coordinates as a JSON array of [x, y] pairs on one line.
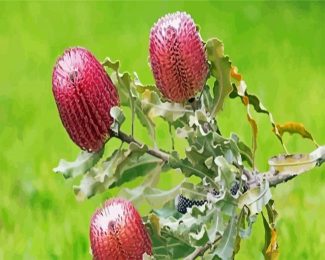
[[177, 57], [234, 189], [117, 232], [84, 95], [245, 187], [183, 203]]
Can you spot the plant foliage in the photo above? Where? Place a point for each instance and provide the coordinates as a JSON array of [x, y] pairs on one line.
[[235, 193]]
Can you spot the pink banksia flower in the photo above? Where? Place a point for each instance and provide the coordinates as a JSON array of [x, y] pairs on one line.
[[177, 57], [84, 95], [117, 232]]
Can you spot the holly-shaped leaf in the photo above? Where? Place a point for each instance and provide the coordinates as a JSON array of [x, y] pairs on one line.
[[226, 247], [155, 107], [130, 95], [81, 165], [122, 166], [220, 69], [118, 118], [199, 226], [245, 152], [256, 198]]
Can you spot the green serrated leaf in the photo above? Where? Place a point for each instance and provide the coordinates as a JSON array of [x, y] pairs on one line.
[[240, 90], [272, 213], [130, 95], [207, 97], [202, 120], [138, 195], [146, 122], [188, 169], [165, 246], [256, 198], [141, 87], [154, 107], [193, 191], [123, 90], [217, 145], [118, 118], [245, 152], [226, 246], [122, 166], [158, 198], [245, 223], [199, 226], [220, 69], [81, 165], [114, 65], [227, 172], [185, 132], [240, 226], [200, 237]]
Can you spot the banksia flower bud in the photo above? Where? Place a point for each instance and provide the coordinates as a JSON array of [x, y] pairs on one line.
[[84, 95], [177, 57], [117, 232]]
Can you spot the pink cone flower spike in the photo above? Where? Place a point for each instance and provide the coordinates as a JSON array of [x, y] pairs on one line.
[[84, 95], [177, 57], [117, 232]]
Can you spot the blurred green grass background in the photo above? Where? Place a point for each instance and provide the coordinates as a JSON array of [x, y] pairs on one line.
[[278, 47]]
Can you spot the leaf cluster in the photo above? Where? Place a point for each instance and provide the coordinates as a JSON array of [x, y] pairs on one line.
[[223, 167]]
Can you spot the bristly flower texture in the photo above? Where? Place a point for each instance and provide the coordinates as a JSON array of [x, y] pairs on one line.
[[117, 232], [84, 95], [177, 57]]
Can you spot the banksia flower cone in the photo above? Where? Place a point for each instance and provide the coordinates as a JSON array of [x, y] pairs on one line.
[[84, 95], [117, 232], [177, 57]]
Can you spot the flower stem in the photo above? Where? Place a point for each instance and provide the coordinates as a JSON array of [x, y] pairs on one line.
[[129, 139]]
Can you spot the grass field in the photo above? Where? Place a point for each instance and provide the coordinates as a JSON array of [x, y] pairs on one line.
[[278, 47]]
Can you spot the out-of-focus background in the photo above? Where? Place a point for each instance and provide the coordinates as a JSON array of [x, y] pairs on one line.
[[278, 47]]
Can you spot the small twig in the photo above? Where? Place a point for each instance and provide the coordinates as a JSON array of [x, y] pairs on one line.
[[249, 174], [171, 135], [274, 180], [201, 250], [254, 178], [275, 177], [198, 252], [129, 139]]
